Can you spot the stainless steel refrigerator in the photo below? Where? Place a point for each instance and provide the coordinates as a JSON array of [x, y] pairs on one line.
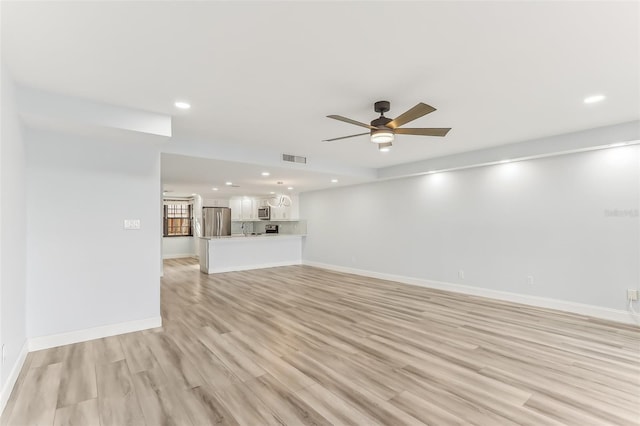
[[216, 221]]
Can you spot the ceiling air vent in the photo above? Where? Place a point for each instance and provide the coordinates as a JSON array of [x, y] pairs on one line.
[[294, 159]]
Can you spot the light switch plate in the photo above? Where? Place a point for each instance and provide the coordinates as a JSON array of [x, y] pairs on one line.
[[131, 224]]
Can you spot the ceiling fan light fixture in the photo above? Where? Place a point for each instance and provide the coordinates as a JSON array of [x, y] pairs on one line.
[[382, 136], [385, 147]]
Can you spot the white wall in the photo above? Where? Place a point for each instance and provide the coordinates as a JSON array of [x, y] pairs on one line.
[[544, 218], [176, 247], [13, 224], [85, 270]]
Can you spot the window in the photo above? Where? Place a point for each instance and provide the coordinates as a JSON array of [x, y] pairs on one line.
[[177, 218]]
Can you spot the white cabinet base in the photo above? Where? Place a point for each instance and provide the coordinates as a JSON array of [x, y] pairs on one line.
[[244, 253]]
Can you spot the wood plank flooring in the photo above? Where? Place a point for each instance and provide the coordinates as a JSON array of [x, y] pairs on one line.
[[304, 346]]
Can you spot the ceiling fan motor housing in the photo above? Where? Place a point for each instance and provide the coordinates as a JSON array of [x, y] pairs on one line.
[[381, 124], [382, 133], [380, 121]]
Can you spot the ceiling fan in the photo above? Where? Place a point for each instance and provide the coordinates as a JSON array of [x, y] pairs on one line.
[[383, 129]]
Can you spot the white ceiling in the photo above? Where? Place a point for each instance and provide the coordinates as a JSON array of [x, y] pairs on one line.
[[184, 175], [263, 75]]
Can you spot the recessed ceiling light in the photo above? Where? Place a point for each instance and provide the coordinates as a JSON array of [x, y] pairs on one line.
[[182, 105], [593, 99], [265, 173], [214, 189], [290, 188], [272, 192], [334, 180], [228, 183]]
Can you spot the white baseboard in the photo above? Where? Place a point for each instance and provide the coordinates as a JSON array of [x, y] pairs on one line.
[[541, 302], [51, 341], [179, 256], [13, 376], [255, 266]]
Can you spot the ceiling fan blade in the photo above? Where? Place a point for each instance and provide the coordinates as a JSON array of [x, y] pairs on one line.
[[345, 137], [348, 120], [423, 132], [415, 112]]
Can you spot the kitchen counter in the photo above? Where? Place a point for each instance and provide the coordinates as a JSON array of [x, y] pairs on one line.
[[250, 236], [240, 252]]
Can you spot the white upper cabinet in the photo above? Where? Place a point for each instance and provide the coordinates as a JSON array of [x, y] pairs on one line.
[[249, 210], [246, 208], [236, 208], [215, 202], [280, 213]]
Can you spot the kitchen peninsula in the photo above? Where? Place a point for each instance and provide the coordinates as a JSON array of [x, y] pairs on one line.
[[243, 252], [245, 233]]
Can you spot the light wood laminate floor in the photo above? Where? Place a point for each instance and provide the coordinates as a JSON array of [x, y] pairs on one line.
[[304, 346]]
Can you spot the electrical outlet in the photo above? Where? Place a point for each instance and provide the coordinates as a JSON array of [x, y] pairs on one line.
[[530, 279], [632, 294], [461, 274]]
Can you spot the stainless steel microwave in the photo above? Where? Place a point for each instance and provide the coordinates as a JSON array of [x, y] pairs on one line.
[[264, 213]]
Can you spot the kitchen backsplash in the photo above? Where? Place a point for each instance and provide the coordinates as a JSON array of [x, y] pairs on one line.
[[287, 228]]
